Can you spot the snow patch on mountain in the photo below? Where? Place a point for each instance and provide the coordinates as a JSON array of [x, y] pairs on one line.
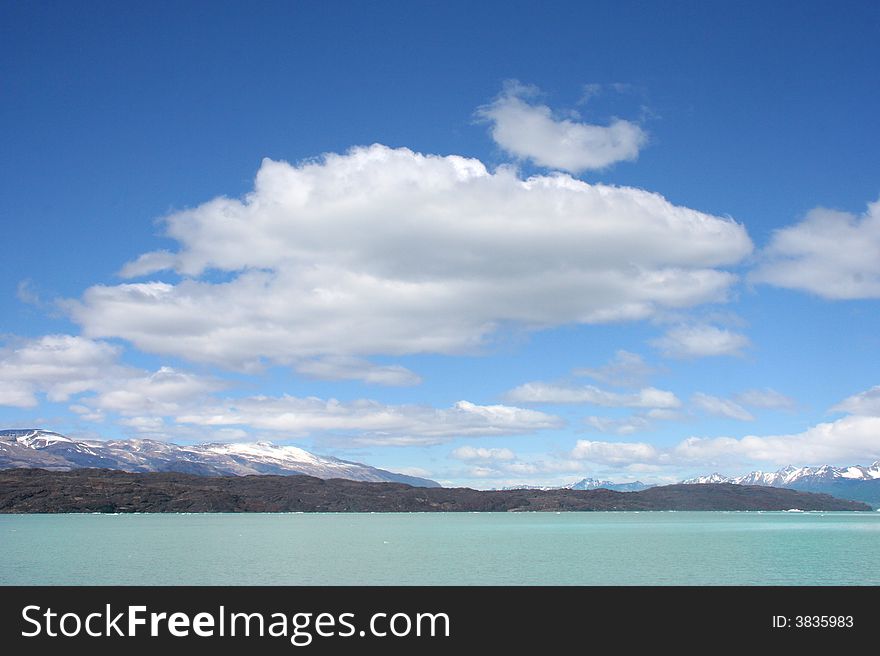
[[791, 475], [50, 450]]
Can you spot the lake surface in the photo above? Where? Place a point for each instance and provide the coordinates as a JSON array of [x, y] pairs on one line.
[[607, 548]]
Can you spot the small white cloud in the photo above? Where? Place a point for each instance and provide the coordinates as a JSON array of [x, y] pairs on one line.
[[27, 293], [766, 398], [480, 453], [664, 414], [64, 366], [538, 392], [341, 367], [151, 425], [530, 131], [635, 423], [835, 255], [87, 414], [865, 403], [614, 453], [624, 426], [17, 394], [414, 471], [625, 369], [528, 472], [58, 365], [700, 340], [163, 392], [721, 407]]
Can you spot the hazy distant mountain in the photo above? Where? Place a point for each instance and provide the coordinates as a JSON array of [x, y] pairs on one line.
[[855, 482], [587, 484], [593, 484], [30, 448]]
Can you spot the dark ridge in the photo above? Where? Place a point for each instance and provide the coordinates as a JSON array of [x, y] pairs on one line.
[[104, 490]]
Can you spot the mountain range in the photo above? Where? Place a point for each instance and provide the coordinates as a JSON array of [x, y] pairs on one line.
[[855, 482], [100, 490], [37, 448], [587, 484]]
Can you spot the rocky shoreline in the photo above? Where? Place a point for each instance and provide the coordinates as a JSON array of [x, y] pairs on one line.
[[112, 491]]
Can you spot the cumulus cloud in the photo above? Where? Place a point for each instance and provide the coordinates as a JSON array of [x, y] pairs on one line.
[[65, 366], [625, 369], [849, 440], [614, 453], [387, 251], [342, 367], [538, 392], [366, 422], [721, 407], [58, 365], [163, 392], [531, 131], [833, 254], [17, 394], [481, 453], [863, 403], [700, 340]]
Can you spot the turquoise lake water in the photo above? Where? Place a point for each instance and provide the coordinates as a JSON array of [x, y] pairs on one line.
[[607, 548]]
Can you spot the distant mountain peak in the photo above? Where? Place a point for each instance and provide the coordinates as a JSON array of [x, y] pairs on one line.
[[587, 484]]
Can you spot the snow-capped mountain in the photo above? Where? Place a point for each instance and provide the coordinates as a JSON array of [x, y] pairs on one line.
[[788, 476], [587, 484], [49, 450], [855, 482], [593, 484]]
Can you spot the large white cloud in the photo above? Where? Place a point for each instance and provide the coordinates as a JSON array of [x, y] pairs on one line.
[[833, 254], [850, 440], [538, 392], [530, 131], [387, 251], [366, 422]]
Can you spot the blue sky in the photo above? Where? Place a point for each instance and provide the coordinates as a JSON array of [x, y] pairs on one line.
[[489, 244]]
